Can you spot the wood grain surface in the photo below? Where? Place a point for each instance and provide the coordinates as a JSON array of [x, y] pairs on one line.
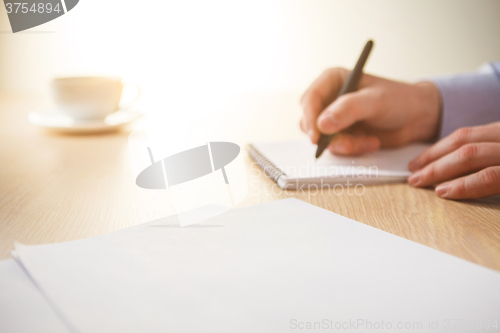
[[56, 188]]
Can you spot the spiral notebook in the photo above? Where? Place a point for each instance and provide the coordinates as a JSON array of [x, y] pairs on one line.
[[292, 165]]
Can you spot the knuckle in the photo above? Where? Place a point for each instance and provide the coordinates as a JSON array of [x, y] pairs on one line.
[[459, 187], [349, 104], [467, 152], [379, 95], [330, 72], [490, 176], [335, 69], [421, 160], [379, 99], [306, 97], [336, 72], [313, 96], [311, 102], [462, 135], [429, 172]]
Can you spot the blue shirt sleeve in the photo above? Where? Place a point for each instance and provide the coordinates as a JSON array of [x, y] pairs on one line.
[[470, 99]]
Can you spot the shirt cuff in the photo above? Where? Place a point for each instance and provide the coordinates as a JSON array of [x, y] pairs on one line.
[[469, 99]]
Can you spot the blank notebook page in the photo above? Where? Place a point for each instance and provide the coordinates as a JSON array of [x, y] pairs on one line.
[[296, 160]]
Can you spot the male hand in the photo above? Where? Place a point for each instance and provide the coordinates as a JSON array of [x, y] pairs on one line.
[[466, 164], [380, 113]]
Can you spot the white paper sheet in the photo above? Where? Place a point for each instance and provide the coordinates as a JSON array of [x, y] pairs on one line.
[[22, 307], [268, 268]]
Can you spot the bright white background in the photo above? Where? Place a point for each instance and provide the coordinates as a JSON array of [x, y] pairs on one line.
[[249, 45], [190, 56]]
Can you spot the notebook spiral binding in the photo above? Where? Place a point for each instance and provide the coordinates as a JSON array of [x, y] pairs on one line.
[[269, 168]]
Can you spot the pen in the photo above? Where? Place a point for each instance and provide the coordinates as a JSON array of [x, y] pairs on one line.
[[349, 85]]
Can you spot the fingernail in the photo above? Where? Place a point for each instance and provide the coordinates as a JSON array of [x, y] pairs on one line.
[[414, 179], [311, 134], [442, 190], [314, 135]]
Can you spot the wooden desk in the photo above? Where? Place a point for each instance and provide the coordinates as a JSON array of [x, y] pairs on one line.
[[59, 188]]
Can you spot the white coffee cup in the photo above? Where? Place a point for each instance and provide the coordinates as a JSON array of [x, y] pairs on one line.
[[91, 97]]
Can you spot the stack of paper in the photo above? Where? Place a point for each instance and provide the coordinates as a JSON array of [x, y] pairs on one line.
[[280, 266], [22, 307]]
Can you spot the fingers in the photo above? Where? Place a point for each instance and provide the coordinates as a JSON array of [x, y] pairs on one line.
[[467, 159], [482, 184], [321, 93], [462, 136], [348, 144], [347, 110]]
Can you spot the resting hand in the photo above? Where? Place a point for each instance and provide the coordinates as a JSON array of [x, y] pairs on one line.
[[380, 113], [466, 164]]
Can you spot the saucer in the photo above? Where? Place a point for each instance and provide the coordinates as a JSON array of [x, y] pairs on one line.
[[62, 123]]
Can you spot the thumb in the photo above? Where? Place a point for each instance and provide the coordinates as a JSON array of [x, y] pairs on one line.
[[347, 110]]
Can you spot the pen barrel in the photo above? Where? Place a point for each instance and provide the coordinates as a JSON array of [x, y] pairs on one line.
[[351, 84]]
